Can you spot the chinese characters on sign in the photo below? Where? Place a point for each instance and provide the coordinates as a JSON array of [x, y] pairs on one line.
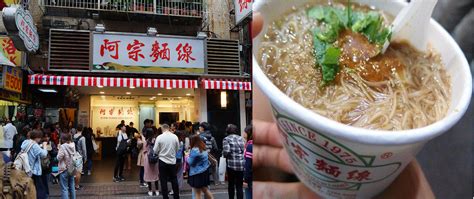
[[106, 118], [12, 79], [21, 28], [10, 51], [127, 53], [242, 9]]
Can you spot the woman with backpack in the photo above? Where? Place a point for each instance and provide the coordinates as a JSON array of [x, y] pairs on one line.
[[122, 147], [65, 160], [35, 153], [150, 163], [198, 161]]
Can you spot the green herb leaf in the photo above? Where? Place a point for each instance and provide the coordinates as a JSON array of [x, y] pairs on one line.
[[329, 73], [331, 56], [316, 13]]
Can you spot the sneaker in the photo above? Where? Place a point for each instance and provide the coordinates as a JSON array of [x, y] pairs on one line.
[[121, 179], [143, 185], [157, 193], [88, 173], [116, 179], [150, 193], [171, 192]]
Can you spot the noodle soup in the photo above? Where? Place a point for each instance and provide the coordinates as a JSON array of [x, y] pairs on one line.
[[398, 90]]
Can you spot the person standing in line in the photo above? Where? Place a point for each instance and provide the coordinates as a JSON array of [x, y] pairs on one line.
[[81, 147], [9, 131], [151, 169], [180, 158], [119, 126], [248, 154], [133, 146], [46, 163], [35, 153], [211, 148], [118, 171], [166, 146], [141, 139], [18, 140], [233, 151], [66, 182], [199, 168], [87, 133]]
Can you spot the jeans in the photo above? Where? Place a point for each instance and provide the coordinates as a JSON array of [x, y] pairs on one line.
[[248, 191], [142, 173], [236, 182], [41, 188], [168, 173], [88, 165], [118, 171], [67, 186]]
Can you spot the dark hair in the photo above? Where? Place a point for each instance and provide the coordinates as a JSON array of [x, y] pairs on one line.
[[151, 121], [131, 124], [36, 134], [232, 129], [66, 137], [149, 134], [122, 122], [146, 121], [80, 127], [248, 130], [181, 135], [205, 126], [196, 141]]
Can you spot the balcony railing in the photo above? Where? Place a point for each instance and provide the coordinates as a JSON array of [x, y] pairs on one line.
[[185, 8]]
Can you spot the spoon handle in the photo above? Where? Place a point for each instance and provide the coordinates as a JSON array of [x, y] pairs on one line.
[[412, 23]]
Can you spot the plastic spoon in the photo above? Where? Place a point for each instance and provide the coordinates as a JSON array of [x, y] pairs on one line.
[[411, 24]]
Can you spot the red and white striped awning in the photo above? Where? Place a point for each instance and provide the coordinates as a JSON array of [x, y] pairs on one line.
[[54, 80], [227, 85]]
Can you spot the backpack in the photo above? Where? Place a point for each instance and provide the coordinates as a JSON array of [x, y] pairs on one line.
[[123, 146], [15, 184], [75, 164], [78, 146], [22, 162], [152, 157]]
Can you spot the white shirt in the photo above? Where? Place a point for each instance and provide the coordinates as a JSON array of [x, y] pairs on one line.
[[8, 132], [120, 136], [166, 146]]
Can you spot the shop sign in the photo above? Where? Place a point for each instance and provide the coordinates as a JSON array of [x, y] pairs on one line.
[[12, 79], [243, 8], [21, 28], [106, 118], [147, 54], [9, 50]]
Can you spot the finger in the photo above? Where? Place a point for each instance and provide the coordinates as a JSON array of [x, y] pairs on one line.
[[266, 156], [266, 133], [257, 24], [275, 190]]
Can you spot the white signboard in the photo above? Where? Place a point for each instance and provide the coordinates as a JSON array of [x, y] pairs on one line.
[[137, 53], [242, 9], [21, 28]]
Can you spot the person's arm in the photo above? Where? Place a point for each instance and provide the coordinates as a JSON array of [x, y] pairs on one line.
[[157, 148], [60, 154], [214, 144], [193, 156], [38, 151], [84, 148], [226, 147], [176, 143], [248, 163], [119, 139]]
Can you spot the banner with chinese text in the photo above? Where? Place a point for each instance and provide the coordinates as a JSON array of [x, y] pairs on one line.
[[106, 118], [242, 9], [9, 50], [12, 79], [137, 53]]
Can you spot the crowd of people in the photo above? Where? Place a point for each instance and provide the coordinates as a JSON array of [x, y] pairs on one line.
[[167, 153]]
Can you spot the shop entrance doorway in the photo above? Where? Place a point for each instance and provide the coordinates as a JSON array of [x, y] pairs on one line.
[[146, 112], [169, 117]]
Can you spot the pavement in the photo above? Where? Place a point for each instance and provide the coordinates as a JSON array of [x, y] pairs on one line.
[[130, 189]]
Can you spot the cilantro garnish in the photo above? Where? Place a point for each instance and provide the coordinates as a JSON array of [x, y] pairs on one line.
[[333, 20]]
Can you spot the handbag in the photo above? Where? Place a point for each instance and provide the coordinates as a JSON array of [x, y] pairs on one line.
[[95, 146], [212, 160], [123, 146]]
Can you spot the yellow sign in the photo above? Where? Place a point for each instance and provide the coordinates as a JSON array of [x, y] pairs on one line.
[[10, 51], [12, 79]]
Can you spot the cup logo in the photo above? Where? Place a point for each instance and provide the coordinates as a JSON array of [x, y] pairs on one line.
[[324, 162]]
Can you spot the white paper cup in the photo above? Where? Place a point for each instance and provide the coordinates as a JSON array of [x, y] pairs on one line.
[[341, 161]]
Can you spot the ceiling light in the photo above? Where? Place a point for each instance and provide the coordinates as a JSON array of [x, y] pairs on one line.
[[179, 97], [100, 28], [102, 92], [160, 93], [100, 86], [223, 99], [188, 94], [169, 88], [132, 87], [128, 93], [48, 90]]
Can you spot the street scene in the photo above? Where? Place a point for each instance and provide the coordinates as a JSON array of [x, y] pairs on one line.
[[126, 99]]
